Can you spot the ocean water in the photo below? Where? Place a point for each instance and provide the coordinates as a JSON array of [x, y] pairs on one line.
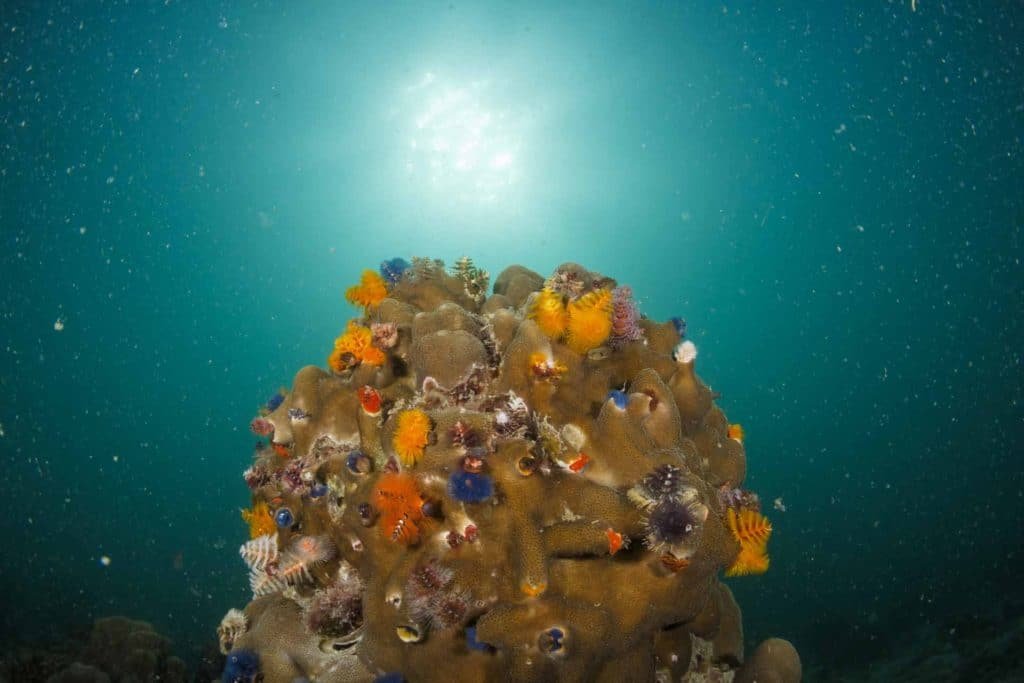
[[829, 194]]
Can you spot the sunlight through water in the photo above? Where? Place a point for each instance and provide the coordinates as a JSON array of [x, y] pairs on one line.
[[461, 144]]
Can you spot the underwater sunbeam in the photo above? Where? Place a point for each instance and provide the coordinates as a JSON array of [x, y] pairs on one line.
[[461, 145]]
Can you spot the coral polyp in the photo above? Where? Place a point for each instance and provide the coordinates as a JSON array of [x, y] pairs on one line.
[[359, 463], [590, 321], [284, 518], [354, 347], [310, 551], [543, 367], [433, 599], [384, 335], [751, 530], [625, 319], [274, 401], [428, 579], [260, 552], [449, 609], [619, 398], [370, 291], [261, 427], [463, 435], [234, 624], [665, 481], [393, 269], [616, 541], [369, 399], [549, 312], [672, 526], [529, 484], [470, 487], [411, 436], [336, 610], [735, 431], [260, 520], [242, 666], [552, 641], [685, 352], [398, 498], [568, 281]]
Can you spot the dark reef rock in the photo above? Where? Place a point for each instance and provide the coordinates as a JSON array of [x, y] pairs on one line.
[[116, 650]]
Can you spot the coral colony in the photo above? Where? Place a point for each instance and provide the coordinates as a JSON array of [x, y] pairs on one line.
[[530, 485]]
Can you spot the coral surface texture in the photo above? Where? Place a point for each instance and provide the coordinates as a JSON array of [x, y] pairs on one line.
[[527, 482]]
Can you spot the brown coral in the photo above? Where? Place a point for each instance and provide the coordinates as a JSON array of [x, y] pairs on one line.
[[594, 553]]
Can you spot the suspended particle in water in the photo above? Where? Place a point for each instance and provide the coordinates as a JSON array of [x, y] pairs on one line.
[[58, 325]]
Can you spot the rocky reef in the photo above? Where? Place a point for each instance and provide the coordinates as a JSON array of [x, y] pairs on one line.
[[116, 649], [529, 484]]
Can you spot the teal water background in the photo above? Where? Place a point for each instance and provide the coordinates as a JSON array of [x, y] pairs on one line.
[[829, 194]]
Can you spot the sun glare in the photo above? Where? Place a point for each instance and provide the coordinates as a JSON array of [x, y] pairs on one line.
[[460, 143]]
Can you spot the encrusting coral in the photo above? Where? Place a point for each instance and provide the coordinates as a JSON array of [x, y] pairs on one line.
[[532, 485]]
